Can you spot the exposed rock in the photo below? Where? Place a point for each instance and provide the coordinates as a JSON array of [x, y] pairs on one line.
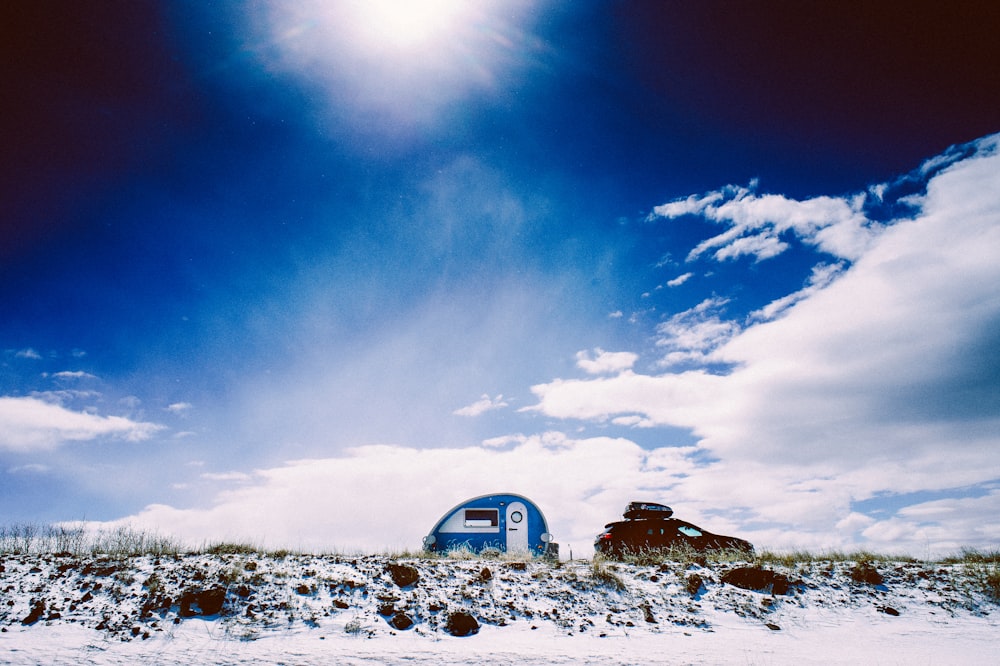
[[757, 579], [647, 613], [99, 569], [461, 623], [401, 621], [694, 584], [202, 602], [403, 575], [37, 609], [865, 572]]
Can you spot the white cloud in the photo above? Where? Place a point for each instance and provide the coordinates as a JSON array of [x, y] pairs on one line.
[[679, 280], [694, 334], [28, 353], [481, 406], [755, 223], [941, 525], [31, 468], [226, 476], [886, 378], [633, 421], [179, 408], [73, 374], [30, 424], [64, 396], [600, 362]]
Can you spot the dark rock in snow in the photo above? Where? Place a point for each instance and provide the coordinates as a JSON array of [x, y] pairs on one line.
[[461, 623], [757, 579], [403, 575], [772, 626], [99, 569], [202, 602], [865, 572], [647, 614], [889, 610], [694, 584], [36, 613], [401, 621]]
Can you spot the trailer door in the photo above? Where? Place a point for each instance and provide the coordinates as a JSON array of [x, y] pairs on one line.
[[517, 527]]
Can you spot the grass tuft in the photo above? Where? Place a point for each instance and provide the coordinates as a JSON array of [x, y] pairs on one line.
[[604, 575], [231, 548]]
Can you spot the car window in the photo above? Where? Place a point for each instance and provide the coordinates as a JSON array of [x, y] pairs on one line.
[[687, 530]]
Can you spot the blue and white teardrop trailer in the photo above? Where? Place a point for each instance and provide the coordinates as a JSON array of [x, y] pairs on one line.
[[506, 523]]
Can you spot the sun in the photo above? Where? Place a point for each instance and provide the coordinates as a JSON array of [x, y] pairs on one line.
[[407, 24], [390, 68]]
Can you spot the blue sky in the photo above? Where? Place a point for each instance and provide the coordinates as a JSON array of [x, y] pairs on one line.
[[309, 276]]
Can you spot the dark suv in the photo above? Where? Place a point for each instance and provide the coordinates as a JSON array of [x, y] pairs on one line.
[[649, 527]]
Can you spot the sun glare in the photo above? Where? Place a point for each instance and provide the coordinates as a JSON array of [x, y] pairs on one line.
[[407, 24], [392, 66]]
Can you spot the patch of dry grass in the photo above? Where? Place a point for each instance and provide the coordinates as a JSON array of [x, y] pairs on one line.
[[794, 557], [122, 541]]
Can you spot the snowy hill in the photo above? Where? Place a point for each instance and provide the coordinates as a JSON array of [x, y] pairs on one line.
[[253, 607]]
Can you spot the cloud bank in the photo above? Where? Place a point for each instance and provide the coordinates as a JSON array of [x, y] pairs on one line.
[[879, 379], [883, 376], [387, 497]]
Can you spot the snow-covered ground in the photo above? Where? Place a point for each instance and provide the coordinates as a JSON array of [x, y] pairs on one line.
[[382, 610]]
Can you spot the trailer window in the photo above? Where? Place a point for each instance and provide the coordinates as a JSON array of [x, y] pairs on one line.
[[482, 517]]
